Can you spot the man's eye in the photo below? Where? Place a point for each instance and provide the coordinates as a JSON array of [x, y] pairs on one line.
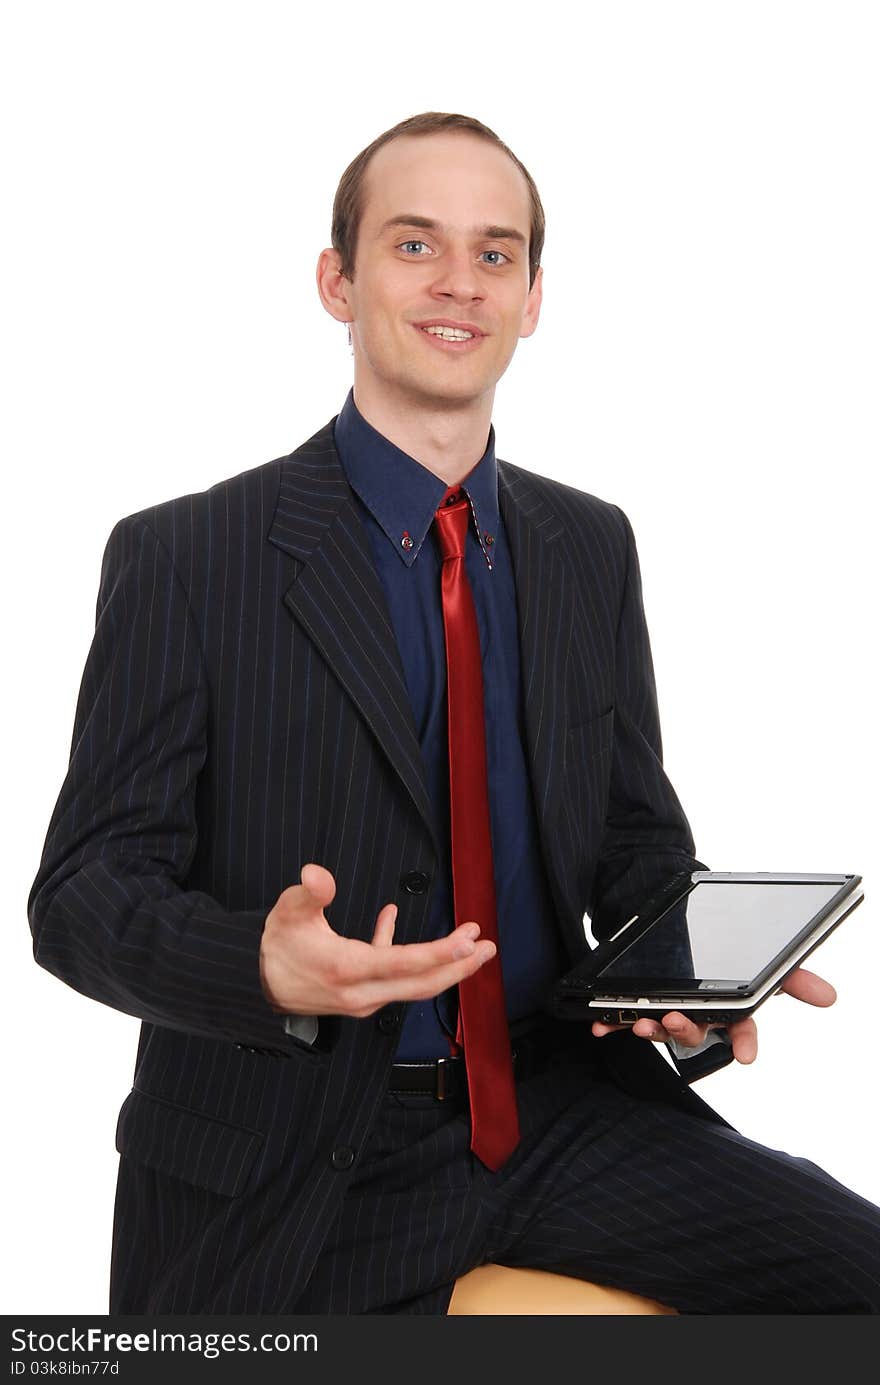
[[406, 245]]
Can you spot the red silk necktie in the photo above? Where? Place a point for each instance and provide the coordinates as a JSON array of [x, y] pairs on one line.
[[483, 1031]]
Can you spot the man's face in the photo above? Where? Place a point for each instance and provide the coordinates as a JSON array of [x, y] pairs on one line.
[[470, 267]]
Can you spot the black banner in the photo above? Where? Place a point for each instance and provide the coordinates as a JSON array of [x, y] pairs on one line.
[[132, 1350]]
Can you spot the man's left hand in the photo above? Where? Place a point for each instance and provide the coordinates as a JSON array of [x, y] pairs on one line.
[[803, 985]]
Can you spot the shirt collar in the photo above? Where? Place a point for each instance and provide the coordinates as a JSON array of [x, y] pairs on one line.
[[401, 494]]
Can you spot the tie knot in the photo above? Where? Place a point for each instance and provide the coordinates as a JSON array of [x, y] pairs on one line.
[[451, 523]]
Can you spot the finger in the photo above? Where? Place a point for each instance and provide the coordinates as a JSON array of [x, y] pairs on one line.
[[406, 960], [647, 1028], [673, 1026], [806, 985], [600, 1029], [684, 1031], [372, 994], [744, 1040], [383, 934], [644, 1028]]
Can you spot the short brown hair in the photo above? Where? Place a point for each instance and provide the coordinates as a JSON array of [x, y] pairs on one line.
[[348, 202]]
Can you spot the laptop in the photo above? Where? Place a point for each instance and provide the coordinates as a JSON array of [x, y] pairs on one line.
[[713, 945]]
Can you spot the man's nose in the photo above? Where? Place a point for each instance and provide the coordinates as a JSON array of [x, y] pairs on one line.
[[457, 275]]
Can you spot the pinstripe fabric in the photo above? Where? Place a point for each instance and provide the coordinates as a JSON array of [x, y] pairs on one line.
[[242, 711], [623, 1191]]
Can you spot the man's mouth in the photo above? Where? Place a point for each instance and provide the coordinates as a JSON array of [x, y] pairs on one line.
[[449, 337]]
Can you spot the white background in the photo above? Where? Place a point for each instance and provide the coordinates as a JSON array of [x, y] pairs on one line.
[[707, 359]]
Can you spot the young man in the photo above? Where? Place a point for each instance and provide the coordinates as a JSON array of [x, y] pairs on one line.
[[362, 735]]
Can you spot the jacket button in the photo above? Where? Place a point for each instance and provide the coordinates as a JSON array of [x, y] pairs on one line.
[[342, 1157], [389, 1022], [415, 882]]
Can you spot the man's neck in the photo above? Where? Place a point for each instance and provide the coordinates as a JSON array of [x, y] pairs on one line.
[[449, 442]]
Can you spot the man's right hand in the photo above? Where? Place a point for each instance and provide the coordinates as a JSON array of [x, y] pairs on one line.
[[308, 969]]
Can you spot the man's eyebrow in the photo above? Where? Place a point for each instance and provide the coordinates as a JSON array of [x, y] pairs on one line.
[[426, 223]]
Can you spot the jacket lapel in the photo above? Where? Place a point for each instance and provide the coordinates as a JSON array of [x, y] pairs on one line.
[[337, 598]]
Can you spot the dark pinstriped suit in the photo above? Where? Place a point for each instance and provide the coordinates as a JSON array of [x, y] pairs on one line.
[[243, 711]]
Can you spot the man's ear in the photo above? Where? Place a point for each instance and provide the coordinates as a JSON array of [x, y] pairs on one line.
[[533, 305], [333, 287]]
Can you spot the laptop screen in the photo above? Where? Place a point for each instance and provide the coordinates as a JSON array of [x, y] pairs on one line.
[[723, 931]]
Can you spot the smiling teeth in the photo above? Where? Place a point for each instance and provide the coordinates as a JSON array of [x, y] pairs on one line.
[[450, 333]]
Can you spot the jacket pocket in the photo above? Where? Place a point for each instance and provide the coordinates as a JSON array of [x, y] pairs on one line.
[[588, 738], [173, 1139]]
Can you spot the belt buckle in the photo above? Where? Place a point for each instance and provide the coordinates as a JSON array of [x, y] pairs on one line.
[[440, 1084]]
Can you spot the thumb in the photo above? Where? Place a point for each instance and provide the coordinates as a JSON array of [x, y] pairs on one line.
[[806, 985], [319, 883]]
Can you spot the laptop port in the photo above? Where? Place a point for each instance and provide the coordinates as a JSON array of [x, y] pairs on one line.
[[628, 1016]]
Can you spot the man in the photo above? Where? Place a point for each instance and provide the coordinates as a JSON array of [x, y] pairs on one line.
[[253, 848]]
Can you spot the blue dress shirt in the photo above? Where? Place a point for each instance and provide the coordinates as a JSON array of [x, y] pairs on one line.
[[397, 498]]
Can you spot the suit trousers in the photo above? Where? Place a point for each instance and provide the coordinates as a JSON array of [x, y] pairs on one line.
[[619, 1190]]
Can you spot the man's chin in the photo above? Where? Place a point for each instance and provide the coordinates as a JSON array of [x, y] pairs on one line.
[[444, 390]]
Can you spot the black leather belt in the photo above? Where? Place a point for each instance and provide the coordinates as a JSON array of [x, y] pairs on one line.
[[446, 1078]]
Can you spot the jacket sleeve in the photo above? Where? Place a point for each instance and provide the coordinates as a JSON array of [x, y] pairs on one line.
[[646, 838], [108, 910]]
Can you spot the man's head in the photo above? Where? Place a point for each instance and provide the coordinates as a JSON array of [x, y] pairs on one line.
[[435, 220]]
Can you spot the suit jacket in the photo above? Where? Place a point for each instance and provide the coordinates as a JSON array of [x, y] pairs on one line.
[[243, 711]]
